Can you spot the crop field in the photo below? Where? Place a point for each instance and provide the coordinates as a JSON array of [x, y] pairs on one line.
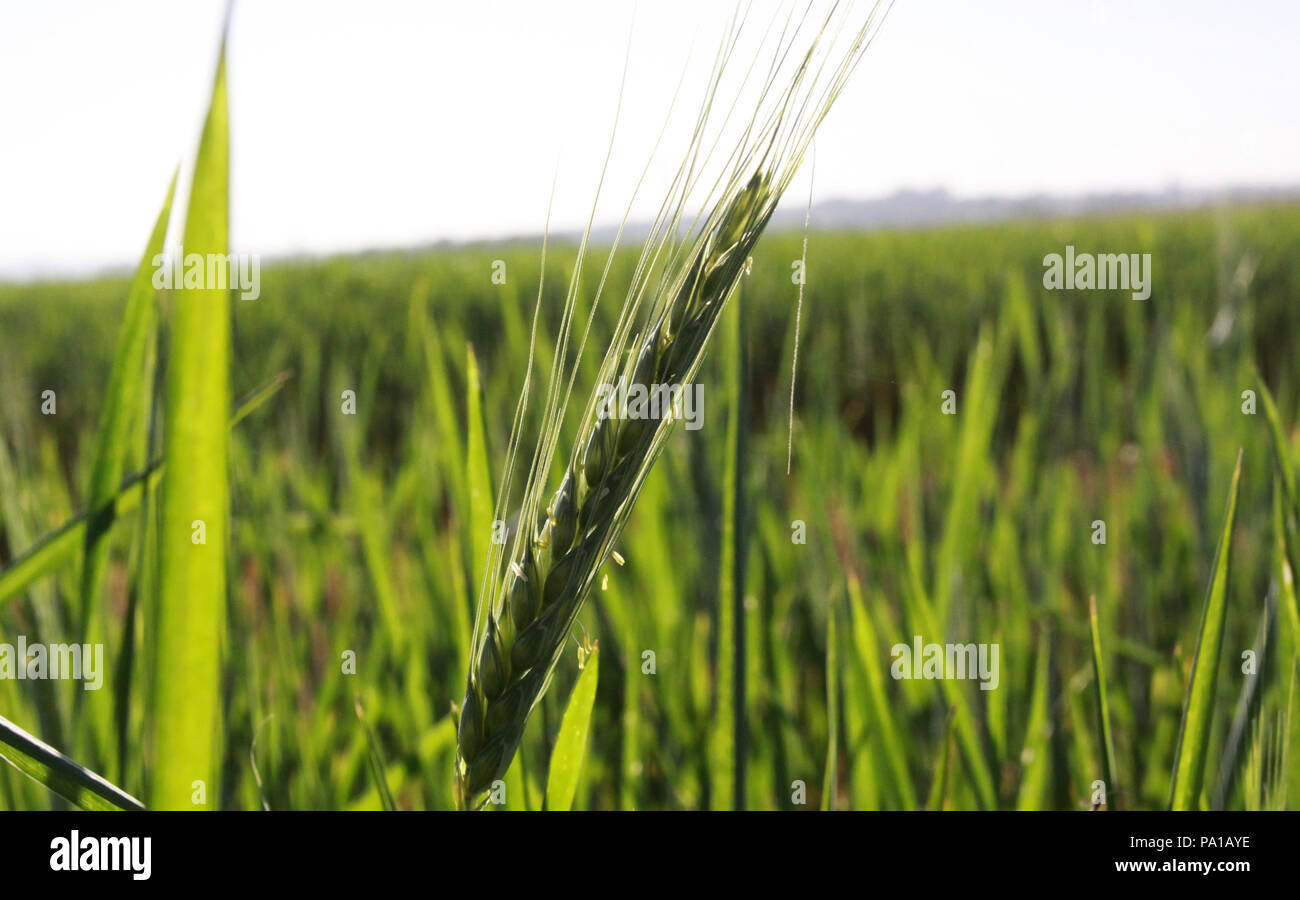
[[745, 645], [978, 517]]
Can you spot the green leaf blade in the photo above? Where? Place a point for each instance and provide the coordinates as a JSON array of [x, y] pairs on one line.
[[571, 743], [477, 469], [726, 750], [865, 643], [1193, 739], [128, 381], [60, 545], [829, 775], [1103, 710], [73, 782], [186, 698]]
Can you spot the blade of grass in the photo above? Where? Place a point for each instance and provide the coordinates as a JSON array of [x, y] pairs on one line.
[[1036, 757], [129, 385], [73, 782], [476, 471], [186, 703], [1286, 564], [832, 710], [1286, 508], [867, 653], [965, 724], [939, 786], [123, 400], [1103, 710], [1194, 735], [571, 743], [1248, 708], [1280, 448], [253, 400], [518, 796], [57, 547], [726, 790], [375, 760]]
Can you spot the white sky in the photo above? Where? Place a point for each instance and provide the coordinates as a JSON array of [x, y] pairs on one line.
[[382, 123]]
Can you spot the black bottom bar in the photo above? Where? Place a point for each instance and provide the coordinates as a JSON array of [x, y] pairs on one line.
[[604, 851]]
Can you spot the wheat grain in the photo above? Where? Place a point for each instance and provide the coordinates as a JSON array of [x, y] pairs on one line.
[[524, 616]]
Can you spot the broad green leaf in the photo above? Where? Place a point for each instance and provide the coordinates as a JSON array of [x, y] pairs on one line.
[[73, 782], [188, 634], [1194, 735], [571, 743]]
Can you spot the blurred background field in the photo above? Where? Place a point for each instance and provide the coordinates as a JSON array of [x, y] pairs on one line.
[[349, 532]]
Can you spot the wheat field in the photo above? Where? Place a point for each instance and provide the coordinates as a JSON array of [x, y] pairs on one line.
[[280, 519]]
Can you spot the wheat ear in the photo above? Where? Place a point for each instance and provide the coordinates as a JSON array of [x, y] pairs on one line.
[[526, 613]]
